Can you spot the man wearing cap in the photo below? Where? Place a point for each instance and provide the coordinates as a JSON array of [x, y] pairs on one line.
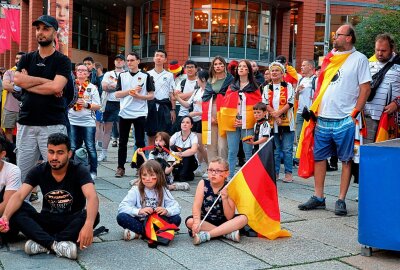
[[41, 76], [110, 104]]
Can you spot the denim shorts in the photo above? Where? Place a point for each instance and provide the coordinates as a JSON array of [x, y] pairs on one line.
[[334, 137]]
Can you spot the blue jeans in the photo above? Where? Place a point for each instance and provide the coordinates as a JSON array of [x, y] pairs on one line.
[[233, 138], [136, 225], [284, 144], [85, 134]]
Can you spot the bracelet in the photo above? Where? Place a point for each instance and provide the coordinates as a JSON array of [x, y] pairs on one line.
[[88, 106], [172, 109], [354, 113]]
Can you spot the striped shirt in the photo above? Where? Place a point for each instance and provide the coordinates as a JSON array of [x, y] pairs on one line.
[[390, 83]]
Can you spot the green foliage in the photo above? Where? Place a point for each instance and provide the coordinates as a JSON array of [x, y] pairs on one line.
[[378, 21]]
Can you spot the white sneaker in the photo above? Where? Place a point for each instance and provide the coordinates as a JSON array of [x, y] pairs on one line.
[[32, 248], [198, 172], [102, 157], [65, 249], [129, 235], [205, 175], [234, 236], [181, 186], [93, 175]]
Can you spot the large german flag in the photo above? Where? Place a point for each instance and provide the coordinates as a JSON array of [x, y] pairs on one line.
[[159, 231], [387, 128], [253, 189]]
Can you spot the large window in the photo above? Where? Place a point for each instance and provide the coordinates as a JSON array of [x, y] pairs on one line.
[[153, 19], [234, 29]]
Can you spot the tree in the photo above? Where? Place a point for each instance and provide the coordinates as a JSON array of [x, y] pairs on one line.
[[378, 21]]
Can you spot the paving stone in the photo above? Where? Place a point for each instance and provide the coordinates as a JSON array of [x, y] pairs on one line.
[[115, 195], [331, 265], [17, 260], [329, 231], [289, 251], [126, 255], [380, 260], [210, 255]]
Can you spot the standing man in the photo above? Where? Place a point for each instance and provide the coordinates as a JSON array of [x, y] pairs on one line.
[[162, 109], [257, 74], [110, 103], [386, 97], [11, 106], [70, 204], [134, 89], [42, 75], [339, 100]]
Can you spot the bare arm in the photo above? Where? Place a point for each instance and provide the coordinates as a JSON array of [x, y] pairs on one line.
[[85, 238], [6, 197], [26, 81], [228, 204], [178, 97], [8, 85], [365, 90], [39, 85], [196, 209]]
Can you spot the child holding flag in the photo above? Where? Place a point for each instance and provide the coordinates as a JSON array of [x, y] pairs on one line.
[[150, 196], [222, 220]]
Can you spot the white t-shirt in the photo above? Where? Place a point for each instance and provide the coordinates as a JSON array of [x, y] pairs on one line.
[[342, 93], [265, 131], [177, 140], [164, 84], [189, 87], [306, 95], [196, 99], [85, 117], [10, 177], [130, 107], [275, 104], [109, 77]]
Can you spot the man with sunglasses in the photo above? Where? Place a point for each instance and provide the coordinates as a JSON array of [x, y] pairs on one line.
[[41, 76]]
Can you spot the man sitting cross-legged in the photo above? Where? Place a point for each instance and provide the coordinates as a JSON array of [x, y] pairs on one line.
[[67, 188]]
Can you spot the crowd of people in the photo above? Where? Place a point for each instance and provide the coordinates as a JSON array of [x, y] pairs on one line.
[[187, 121]]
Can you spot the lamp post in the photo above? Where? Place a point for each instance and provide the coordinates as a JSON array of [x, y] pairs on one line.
[[327, 26]]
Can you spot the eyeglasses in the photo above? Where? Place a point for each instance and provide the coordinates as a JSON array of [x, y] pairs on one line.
[[215, 171], [82, 70], [338, 35]]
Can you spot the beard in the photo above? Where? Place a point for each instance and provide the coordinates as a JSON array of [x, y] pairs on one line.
[[45, 43], [58, 166]]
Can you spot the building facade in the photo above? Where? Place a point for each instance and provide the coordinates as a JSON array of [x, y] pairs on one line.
[[189, 29]]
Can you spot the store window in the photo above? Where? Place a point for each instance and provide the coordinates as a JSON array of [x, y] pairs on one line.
[[153, 19]]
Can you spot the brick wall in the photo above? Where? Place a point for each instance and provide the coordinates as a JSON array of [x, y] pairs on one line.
[[177, 30], [35, 11], [24, 26]]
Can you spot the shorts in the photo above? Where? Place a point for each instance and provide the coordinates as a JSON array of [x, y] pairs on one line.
[[9, 119], [99, 116], [197, 127], [111, 111], [334, 137]]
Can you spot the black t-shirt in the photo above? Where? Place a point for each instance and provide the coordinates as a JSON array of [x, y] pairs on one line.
[[43, 110], [61, 198]]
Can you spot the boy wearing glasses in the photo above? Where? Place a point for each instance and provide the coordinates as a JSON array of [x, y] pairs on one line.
[[222, 220]]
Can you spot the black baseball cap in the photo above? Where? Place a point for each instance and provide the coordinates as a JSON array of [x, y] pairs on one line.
[[47, 20], [120, 56]]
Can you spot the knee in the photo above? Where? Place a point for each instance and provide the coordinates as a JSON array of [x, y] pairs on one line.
[[189, 223], [121, 218], [242, 220]]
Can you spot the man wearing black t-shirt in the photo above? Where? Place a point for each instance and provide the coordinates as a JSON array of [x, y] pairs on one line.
[[41, 76], [67, 188]]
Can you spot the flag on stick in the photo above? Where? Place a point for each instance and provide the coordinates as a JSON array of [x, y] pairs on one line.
[[253, 189]]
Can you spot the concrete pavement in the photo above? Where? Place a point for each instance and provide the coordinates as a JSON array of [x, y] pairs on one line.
[[320, 240]]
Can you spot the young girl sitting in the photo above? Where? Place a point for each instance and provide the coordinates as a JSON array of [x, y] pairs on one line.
[[166, 161], [222, 220], [150, 196]]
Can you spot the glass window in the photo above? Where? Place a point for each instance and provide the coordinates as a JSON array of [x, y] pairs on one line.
[[318, 52], [319, 33], [201, 19], [201, 3], [320, 18], [252, 30]]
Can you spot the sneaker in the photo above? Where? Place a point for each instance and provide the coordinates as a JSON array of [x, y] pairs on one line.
[[102, 157], [201, 237], [65, 249], [129, 235], [340, 208], [32, 248], [181, 186], [114, 144], [234, 236], [312, 203], [205, 175], [134, 182], [34, 198], [93, 175], [120, 173], [198, 172]]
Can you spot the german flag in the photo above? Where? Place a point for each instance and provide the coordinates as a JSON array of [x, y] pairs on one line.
[[387, 128], [253, 189], [159, 231]]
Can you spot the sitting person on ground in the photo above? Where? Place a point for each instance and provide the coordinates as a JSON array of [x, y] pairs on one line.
[[10, 182], [222, 220], [150, 196], [262, 129], [70, 204], [185, 144], [166, 161]]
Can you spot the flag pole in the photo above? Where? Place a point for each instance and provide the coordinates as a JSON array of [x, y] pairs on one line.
[[226, 186]]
